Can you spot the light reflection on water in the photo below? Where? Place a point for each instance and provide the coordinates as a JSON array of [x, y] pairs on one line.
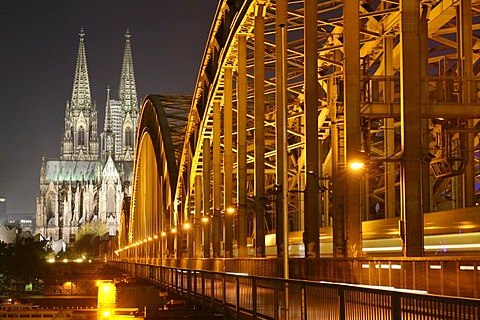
[[106, 299]]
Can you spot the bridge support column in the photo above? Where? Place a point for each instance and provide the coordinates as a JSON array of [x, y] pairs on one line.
[[353, 217], [206, 198], [217, 182], [259, 130], [337, 136], [242, 91], [197, 226], [311, 210], [171, 248], [281, 94], [427, 202], [281, 173], [157, 213], [410, 82], [162, 217], [466, 71], [389, 133], [228, 160]]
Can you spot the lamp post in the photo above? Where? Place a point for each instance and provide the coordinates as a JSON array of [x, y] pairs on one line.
[[206, 236], [186, 228], [228, 217], [281, 145], [164, 246]]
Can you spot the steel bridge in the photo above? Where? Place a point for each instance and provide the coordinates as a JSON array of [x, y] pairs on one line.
[[292, 94]]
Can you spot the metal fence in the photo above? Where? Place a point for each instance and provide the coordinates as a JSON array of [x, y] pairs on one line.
[[240, 295], [452, 276]]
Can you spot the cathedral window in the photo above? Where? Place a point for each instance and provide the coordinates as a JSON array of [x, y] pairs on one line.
[[129, 137], [111, 198], [81, 136], [50, 209]]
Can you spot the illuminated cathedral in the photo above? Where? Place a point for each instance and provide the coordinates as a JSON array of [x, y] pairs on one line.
[[94, 172]]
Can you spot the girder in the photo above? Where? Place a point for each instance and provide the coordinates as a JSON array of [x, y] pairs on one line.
[[448, 112]]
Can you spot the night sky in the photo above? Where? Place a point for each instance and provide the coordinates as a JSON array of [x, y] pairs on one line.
[[38, 50]]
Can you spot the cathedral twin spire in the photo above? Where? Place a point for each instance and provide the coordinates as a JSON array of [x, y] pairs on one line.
[[81, 96], [128, 90], [80, 138], [121, 115]]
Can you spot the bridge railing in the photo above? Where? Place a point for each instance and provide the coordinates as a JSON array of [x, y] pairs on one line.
[[442, 276], [238, 295], [452, 276]]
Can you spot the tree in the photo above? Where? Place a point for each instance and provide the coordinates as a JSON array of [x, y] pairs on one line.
[[22, 262], [85, 242]]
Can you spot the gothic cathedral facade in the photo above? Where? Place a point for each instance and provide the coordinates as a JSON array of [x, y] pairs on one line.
[[94, 172]]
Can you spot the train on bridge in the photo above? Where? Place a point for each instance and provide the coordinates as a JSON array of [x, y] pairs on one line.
[[450, 232]]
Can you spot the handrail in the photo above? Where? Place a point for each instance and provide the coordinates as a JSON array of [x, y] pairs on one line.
[[237, 294]]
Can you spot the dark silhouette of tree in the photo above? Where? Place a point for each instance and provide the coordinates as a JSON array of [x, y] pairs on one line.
[[87, 238], [22, 262]]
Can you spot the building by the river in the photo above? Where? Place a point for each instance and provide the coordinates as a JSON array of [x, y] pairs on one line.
[[94, 171]]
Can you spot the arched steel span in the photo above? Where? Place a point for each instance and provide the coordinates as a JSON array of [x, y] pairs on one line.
[[392, 82], [159, 138]]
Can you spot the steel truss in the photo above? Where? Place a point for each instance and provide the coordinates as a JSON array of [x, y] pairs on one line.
[[394, 85]]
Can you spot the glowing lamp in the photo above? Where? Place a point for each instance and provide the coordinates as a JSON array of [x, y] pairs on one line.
[[356, 165]]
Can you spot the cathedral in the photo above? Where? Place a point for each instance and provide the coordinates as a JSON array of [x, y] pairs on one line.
[[94, 172]]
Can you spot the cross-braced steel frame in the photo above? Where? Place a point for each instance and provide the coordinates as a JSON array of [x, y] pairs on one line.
[[291, 93]]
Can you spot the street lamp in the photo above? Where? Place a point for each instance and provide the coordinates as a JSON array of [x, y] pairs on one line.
[[356, 165], [230, 210], [358, 160]]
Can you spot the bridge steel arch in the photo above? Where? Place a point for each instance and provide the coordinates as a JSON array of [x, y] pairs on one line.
[[155, 175], [290, 93]]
